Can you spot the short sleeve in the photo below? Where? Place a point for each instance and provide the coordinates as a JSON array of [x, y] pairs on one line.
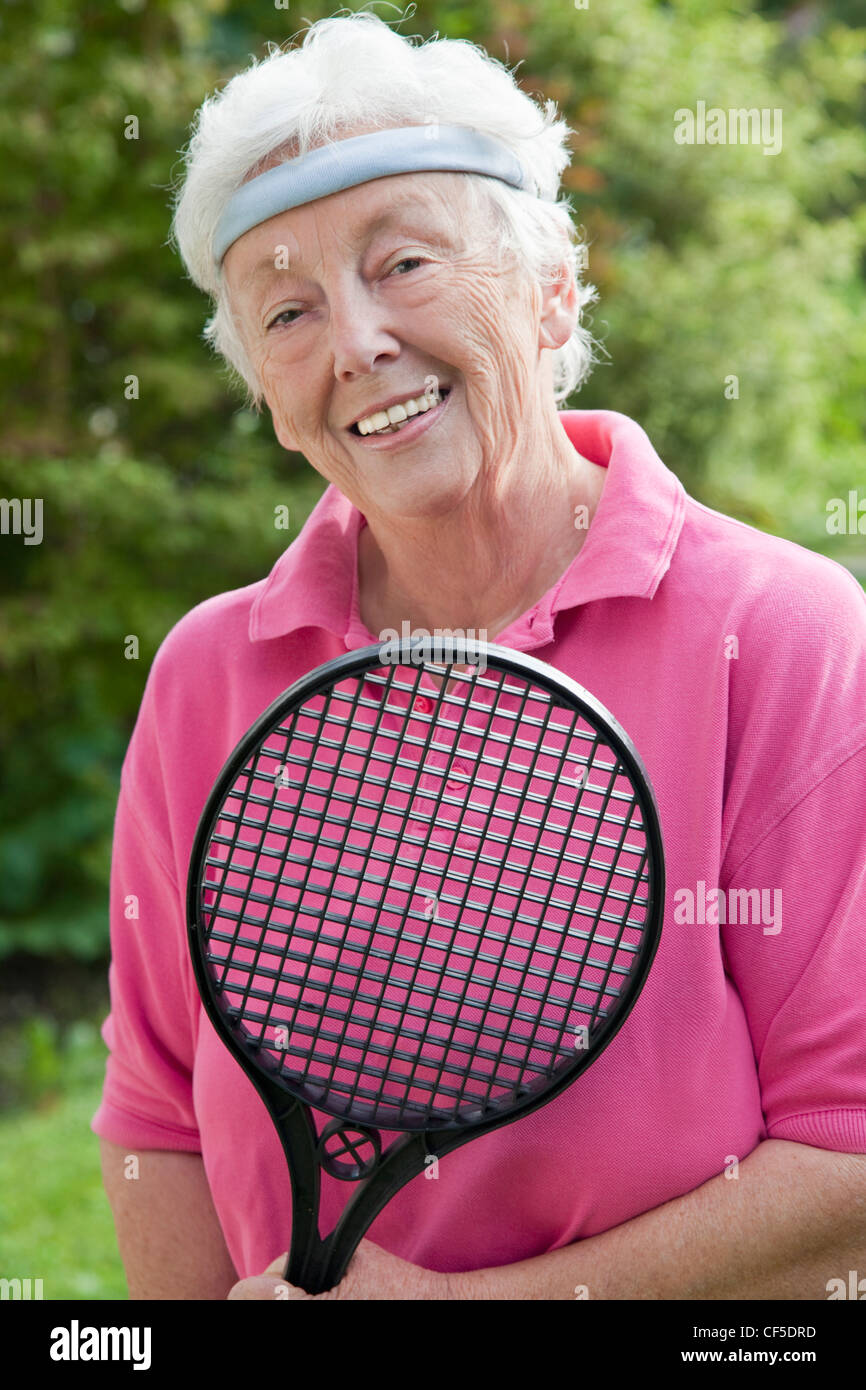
[[795, 947], [150, 1032]]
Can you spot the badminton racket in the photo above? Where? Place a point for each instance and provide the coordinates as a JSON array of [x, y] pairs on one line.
[[423, 896]]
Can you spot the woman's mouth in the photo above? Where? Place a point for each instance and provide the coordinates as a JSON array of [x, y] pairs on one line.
[[408, 430]]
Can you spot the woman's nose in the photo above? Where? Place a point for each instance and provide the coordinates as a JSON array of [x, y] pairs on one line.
[[361, 332]]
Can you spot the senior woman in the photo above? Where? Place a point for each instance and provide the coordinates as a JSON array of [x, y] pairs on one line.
[[392, 275]]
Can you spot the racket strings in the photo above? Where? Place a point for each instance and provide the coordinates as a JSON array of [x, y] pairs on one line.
[[579, 974], [444, 995], [385, 856], [319, 838], [519, 985], [376, 953], [329, 1079], [349, 1005], [354, 705], [448, 1041], [317, 742], [308, 772]]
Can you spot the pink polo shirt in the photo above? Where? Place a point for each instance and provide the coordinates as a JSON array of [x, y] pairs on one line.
[[736, 662]]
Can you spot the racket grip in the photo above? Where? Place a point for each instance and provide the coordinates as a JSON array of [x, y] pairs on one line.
[[328, 1260]]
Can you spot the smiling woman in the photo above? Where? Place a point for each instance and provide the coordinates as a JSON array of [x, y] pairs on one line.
[[393, 277], [357, 75], [388, 286]]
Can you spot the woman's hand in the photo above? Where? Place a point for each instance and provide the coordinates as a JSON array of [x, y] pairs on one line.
[[372, 1274]]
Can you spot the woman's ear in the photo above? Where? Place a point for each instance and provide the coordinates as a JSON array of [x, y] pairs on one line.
[[559, 309]]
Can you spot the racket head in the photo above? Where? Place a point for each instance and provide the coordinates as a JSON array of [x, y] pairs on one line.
[[378, 1010]]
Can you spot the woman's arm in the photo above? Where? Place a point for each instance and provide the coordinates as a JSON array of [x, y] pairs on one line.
[[169, 1237], [793, 1219]]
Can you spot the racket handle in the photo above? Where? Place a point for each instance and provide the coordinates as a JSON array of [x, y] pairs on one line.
[[328, 1260]]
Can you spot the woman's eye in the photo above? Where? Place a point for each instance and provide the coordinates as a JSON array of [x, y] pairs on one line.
[[282, 315], [410, 260]]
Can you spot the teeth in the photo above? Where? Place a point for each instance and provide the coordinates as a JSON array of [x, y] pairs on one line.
[[391, 419]]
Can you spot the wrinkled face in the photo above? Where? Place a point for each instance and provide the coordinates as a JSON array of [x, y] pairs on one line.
[[381, 294]]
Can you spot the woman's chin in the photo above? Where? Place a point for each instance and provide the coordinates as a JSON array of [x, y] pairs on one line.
[[425, 495]]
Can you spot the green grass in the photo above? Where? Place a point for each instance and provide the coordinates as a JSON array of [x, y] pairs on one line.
[[55, 1222]]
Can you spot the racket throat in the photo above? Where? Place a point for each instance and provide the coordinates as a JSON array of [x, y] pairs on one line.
[[320, 1264]]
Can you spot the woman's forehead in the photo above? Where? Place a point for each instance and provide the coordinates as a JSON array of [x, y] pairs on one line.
[[353, 217], [357, 160]]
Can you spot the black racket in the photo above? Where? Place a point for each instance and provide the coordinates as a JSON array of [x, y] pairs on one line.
[[419, 905]]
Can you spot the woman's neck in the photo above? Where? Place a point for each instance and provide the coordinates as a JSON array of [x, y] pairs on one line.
[[484, 569]]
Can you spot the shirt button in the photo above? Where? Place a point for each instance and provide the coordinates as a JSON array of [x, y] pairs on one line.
[[423, 705], [453, 784]]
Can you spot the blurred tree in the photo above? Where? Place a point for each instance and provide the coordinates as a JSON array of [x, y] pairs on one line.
[[713, 262]]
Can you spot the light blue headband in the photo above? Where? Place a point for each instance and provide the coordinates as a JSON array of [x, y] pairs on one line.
[[346, 163]]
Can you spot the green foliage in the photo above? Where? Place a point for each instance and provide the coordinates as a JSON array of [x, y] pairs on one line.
[[711, 262], [128, 548], [55, 1224]]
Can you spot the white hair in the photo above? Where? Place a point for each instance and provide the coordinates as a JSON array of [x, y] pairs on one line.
[[356, 70]]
